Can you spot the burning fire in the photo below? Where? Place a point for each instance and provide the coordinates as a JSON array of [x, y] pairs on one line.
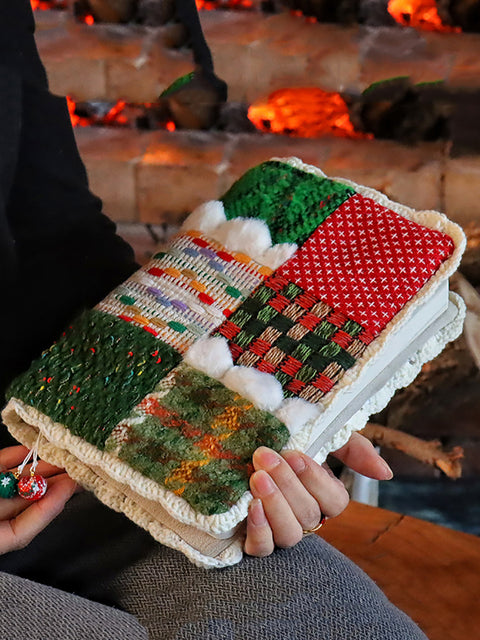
[[210, 5], [121, 114], [422, 14], [114, 117], [48, 4], [307, 113]]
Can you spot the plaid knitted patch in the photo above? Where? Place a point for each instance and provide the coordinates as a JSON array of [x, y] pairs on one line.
[[306, 344], [292, 202], [94, 374], [196, 438], [186, 291]]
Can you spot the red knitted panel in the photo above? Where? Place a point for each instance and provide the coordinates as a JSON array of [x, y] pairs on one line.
[[367, 261]]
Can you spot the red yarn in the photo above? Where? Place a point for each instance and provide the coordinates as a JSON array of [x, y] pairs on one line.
[[367, 261]]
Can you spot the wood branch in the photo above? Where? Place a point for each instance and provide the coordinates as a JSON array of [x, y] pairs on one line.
[[426, 451]]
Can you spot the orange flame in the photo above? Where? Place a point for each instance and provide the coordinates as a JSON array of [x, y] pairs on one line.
[[43, 5], [113, 117], [307, 113], [210, 5], [422, 14]]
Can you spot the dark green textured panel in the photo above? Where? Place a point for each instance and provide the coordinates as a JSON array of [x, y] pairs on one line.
[[196, 438], [292, 202], [93, 376]]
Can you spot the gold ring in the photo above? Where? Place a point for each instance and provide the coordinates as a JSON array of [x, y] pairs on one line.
[[306, 532]]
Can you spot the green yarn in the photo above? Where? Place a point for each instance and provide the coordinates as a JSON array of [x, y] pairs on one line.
[[197, 440], [292, 202], [92, 377], [8, 485]]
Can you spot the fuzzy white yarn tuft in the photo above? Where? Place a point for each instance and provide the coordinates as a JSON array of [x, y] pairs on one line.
[[247, 235], [210, 355], [261, 388], [205, 217], [278, 255], [295, 413]]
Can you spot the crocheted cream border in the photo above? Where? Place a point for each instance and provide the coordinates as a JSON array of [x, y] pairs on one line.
[[24, 423]]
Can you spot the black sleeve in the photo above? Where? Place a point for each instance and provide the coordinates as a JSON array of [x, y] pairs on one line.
[[59, 253]]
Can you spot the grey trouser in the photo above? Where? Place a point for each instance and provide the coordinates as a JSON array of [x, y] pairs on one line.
[[310, 592]]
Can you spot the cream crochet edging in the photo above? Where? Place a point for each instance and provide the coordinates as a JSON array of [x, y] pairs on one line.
[[121, 472], [49, 451]]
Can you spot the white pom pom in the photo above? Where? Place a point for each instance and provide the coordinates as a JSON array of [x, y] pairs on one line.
[[245, 235], [277, 255], [295, 413], [261, 388], [205, 217], [210, 355]]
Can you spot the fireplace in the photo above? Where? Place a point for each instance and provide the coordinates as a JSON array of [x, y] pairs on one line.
[[262, 50]]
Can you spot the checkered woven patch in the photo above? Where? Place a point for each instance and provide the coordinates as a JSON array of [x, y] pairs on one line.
[[306, 344]]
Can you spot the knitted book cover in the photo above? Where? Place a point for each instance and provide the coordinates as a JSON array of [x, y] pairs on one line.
[[265, 309]]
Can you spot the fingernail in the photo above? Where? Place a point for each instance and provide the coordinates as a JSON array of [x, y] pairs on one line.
[[267, 458], [297, 463], [262, 484], [388, 471], [257, 514]]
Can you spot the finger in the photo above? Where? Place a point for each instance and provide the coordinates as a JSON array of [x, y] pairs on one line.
[[12, 507], [286, 529], [12, 456], [17, 532], [44, 469], [259, 541], [359, 454], [304, 506], [320, 482]]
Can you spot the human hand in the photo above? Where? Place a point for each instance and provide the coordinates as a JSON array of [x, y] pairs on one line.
[[21, 520], [292, 492]]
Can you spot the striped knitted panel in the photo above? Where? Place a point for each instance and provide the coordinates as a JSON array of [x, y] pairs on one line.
[[367, 261], [186, 292], [306, 344], [94, 374], [196, 438], [292, 202]]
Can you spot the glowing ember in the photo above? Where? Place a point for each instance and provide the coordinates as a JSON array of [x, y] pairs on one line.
[[210, 5], [43, 5], [113, 117], [422, 14], [307, 113]]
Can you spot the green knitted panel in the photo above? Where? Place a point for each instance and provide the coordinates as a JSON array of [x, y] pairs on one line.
[[94, 374], [196, 438], [292, 202]]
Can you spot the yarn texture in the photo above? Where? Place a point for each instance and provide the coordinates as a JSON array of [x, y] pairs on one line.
[[248, 329], [292, 202]]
